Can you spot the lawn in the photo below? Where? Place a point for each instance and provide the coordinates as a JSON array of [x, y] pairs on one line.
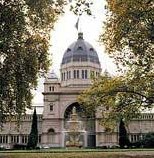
[[79, 154]]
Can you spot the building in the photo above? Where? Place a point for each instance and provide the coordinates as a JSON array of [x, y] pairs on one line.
[[79, 62]]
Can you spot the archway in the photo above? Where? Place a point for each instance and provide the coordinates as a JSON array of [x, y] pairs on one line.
[[88, 123], [51, 136], [79, 111]]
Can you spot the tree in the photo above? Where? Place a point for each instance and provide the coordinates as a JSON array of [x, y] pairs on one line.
[[33, 136], [129, 32], [129, 39], [24, 43], [111, 98], [123, 136]]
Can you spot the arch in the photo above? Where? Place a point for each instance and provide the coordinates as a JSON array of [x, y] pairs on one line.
[[69, 108], [51, 130], [88, 122], [51, 136]]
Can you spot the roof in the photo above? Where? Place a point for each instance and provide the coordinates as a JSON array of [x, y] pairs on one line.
[[51, 76], [81, 51]]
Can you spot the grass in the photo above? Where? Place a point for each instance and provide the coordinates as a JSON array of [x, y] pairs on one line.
[[116, 153]]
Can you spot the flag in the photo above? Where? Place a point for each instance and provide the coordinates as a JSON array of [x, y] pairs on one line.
[[77, 24]]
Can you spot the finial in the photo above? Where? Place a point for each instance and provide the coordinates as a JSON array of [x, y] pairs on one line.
[[80, 35]]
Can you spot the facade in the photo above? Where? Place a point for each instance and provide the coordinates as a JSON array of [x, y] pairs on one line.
[[79, 62]]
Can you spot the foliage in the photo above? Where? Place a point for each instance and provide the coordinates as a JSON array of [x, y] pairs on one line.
[[19, 147], [148, 141], [78, 7], [111, 99], [129, 39], [123, 136], [24, 42], [129, 32], [33, 137]]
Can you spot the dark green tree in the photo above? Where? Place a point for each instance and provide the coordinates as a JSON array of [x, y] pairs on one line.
[[33, 136], [123, 136]]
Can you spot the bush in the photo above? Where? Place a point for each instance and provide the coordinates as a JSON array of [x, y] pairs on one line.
[[19, 147], [148, 141], [2, 148]]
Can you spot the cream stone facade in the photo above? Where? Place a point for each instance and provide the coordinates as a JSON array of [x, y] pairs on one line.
[[79, 62]]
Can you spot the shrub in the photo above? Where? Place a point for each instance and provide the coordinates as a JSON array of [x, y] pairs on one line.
[[19, 147], [148, 141]]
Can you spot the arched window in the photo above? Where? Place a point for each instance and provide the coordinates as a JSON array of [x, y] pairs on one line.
[[51, 130]]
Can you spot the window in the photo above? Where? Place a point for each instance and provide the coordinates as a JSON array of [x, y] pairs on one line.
[[14, 139], [77, 73], [68, 50], [53, 88], [51, 107], [69, 74], [3, 139], [50, 88], [84, 74], [79, 48], [64, 76], [91, 49], [24, 139], [51, 136], [74, 73]]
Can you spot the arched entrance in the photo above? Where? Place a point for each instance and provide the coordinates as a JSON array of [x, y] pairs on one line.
[[87, 122], [51, 136]]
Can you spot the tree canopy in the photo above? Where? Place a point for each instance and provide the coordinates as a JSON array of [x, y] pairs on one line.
[[24, 43], [129, 39], [129, 32]]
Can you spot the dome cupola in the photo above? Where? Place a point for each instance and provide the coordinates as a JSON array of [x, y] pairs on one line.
[[79, 62], [80, 51]]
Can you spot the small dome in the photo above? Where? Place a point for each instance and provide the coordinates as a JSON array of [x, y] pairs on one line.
[[80, 51], [51, 76]]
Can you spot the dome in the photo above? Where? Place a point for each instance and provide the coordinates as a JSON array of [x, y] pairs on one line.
[[80, 51], [51, 76]]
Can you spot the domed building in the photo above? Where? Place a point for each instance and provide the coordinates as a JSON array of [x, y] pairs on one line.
[[63, 120], [80, 61]]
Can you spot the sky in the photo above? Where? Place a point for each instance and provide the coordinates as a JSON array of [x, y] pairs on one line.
[[65, 33]]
